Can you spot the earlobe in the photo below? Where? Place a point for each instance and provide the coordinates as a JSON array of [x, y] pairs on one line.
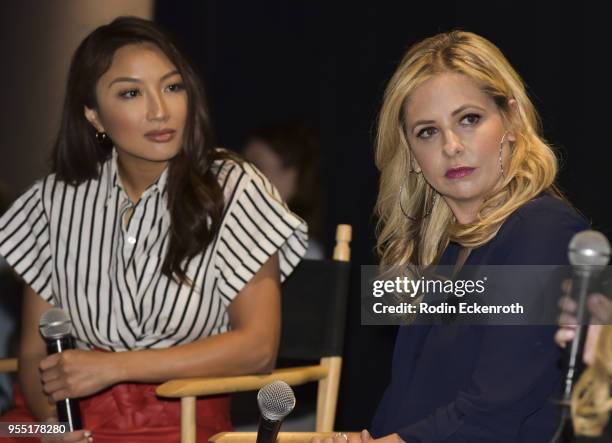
[[92, 117], [514, 112], [414, 166]]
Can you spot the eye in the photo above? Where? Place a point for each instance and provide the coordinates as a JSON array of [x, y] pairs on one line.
[[470, 119], [175, 87], [129, 94], [426, 133]]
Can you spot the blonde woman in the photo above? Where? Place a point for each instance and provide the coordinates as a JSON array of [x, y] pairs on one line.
[[466, 178]]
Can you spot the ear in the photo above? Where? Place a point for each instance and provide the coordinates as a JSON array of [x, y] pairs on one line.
[[414, 164], [514, 115], [92, 116]]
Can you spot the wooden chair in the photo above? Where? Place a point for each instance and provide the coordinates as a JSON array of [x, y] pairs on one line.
[[314, 311], [283, 437], [8, 365]]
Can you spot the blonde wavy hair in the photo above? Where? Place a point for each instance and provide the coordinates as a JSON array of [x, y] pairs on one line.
[[533, 165], [591, 399]]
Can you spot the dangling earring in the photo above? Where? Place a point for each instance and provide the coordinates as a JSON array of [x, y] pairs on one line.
[[501, 146], [434, 200], [101, 137]]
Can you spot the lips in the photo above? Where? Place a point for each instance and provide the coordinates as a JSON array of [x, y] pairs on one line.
[[461, 172], [161, 136]]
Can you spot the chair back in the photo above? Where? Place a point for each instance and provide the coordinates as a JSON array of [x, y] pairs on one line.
[[314, 310]]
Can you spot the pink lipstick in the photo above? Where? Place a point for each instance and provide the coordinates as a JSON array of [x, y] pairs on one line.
[[161, 136], [461, 172]]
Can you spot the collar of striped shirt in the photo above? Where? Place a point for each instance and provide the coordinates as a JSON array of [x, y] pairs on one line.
[[114, 181]]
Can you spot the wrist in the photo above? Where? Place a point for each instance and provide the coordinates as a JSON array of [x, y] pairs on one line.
[[118, 371], [128, 366]]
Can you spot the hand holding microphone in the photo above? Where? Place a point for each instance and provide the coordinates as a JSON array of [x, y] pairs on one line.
[[55, 327], [68, 373], [589, 253]]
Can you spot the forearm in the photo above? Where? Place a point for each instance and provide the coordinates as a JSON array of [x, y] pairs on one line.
[[232, 353], [31, 386]]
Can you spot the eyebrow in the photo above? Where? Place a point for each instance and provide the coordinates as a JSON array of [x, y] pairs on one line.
[[136, 80], [459, 110]]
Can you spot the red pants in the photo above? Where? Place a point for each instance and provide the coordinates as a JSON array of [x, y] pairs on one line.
[[130, 412]]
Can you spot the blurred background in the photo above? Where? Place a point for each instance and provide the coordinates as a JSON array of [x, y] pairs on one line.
[[324, 64]]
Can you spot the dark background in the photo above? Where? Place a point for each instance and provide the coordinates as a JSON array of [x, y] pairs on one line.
[[328, 63]]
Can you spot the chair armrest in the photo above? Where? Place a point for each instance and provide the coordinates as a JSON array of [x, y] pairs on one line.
[[193, 387], [8, 365], [283, 437]]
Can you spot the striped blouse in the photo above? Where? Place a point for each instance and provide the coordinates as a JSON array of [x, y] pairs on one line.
[[70, 245]]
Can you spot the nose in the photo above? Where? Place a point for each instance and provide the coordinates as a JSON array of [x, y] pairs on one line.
[[157, 109], [452, 144]]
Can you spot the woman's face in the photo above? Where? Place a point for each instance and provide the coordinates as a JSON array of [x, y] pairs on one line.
[[454, 131], [142, 105]]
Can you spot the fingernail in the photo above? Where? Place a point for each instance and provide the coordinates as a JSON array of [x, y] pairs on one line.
[[90, 439], [87, 434]]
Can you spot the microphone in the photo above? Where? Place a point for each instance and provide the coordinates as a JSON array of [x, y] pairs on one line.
[[588, 253], [55, 327], [275, 400]]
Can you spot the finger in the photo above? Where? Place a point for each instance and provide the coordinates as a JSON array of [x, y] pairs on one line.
[[566, 286], [591, 343], [365, 435], [563, 335], [50, 374], [567, 320], [82, 436], [600, 308], [60, 395], [567, 304], [49, 362], [53, 386]]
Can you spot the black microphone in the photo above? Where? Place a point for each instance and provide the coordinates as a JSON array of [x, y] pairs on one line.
[[588, 253], [275, 400], [55, 327]]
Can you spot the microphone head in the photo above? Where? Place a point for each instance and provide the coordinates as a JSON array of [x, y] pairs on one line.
[[55, 323], [276, 400], [589, 248]]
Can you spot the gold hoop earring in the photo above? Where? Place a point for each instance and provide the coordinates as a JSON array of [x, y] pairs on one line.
[[434, 200]]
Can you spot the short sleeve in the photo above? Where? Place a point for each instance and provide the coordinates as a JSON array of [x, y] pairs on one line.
[[24, 241], [256, 224]]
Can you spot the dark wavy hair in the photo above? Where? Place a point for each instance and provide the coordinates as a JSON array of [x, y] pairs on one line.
[[195, 199], [297, 145]]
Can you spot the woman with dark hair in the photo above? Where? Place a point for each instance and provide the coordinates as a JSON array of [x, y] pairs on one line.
[[288, 154], [166, 253]]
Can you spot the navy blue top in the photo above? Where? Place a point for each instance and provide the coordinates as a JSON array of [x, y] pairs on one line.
[[456, 383]]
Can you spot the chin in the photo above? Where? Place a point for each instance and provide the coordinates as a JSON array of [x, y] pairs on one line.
[[160, 155]]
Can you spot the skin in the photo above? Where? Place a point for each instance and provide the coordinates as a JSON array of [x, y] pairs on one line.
[[251, 344], [141, 92], [600, 308], [267, 161], [451, 123]]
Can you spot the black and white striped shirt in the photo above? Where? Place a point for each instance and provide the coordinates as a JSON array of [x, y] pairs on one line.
[[70, 245]]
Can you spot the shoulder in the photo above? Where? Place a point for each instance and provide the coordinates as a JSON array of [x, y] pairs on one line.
[[39, 194], [539, 232], [235, 174]]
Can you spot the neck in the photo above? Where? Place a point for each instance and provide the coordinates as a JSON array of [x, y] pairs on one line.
[[137, 174], [465, 212]]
